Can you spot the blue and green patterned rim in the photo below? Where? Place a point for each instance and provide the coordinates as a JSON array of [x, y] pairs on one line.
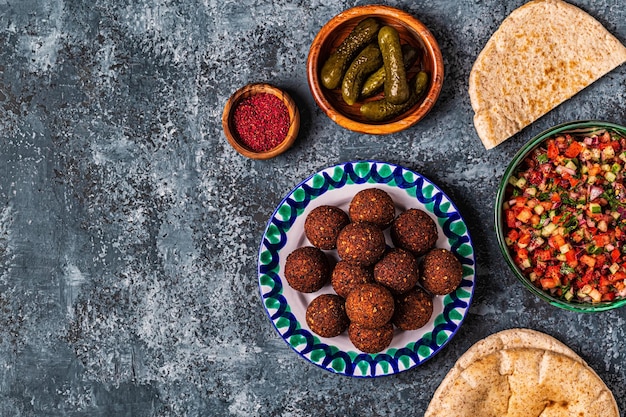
[[286, 310]]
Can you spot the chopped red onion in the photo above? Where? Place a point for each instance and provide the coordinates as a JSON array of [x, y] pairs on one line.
[[595, 192]]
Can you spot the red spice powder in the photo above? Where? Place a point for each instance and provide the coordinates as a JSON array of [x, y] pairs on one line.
[[261, 121]]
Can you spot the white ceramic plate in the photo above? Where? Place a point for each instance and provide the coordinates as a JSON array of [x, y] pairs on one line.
[[284, 233]]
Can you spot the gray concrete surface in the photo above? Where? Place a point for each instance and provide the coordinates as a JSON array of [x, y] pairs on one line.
[[129, 228]]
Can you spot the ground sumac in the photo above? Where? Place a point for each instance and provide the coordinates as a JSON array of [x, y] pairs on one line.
[[261, 121]]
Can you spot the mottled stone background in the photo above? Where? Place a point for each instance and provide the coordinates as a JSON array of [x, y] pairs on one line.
[[129, 228]]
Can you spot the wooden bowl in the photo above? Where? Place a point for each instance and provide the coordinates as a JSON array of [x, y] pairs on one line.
[[251, 90], [411, 31]]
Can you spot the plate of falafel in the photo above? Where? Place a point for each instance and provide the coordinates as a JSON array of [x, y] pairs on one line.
[[366, 269]]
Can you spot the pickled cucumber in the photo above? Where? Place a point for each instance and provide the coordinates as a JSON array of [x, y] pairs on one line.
[[375, 82], [396, 85], [335, 66], [366, 62], [421, 83], [380, 110]]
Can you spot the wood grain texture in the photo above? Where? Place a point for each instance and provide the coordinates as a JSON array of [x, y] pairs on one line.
[[249, 91], [411, 31]]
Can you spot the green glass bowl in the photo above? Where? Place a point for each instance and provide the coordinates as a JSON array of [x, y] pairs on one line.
[[588, 126]]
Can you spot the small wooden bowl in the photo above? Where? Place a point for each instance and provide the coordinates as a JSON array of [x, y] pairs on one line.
[[411, 31], [251, 90]]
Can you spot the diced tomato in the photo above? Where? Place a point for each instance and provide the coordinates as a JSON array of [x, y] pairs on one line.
[[535, 177], [615, 255], [577, 237], [588, 260], [572, 181], [601, 240], [524, 215], [513, 235], [539, 268], [618, 276], [556, 241], [608, 296], [616, 146], [551, 278], [553, 271], [587, 277], [555, 197], [573, 149], [604, 281], [522, 253], [612, 144], [600, 260], [535, 219], [549, 283], [553, 151], [524, 239], [543, 255], [570, 257], [605, 137], [520, 200], [511, 222], [594, 170]]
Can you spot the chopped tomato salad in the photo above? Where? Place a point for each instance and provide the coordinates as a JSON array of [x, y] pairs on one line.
[[565, 217]]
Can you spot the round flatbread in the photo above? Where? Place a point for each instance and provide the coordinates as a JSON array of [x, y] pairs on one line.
[[482, 382], [505, 339], [525, 382], [542, 54], [515, 338]]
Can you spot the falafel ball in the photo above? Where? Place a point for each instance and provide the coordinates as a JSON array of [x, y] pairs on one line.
[[346, 276], [370, 305], [415, 231], [441, 271], [370, 340], [413, 309], [372, 205], [326, 315], [323, 224], [398, 270], [361, 243], [307, 269]]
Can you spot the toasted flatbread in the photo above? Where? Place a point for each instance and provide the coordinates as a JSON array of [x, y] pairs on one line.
[[512, 339], [494, 395], [525, 382], [542, 54]]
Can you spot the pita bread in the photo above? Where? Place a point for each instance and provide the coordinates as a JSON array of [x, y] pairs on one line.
[[492, 392], [542, 54], [515, 338], [524, 382], [509, 339]]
